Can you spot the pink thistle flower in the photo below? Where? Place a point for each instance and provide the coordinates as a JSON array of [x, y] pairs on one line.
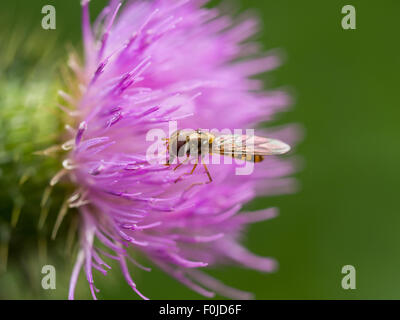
[[147, 64]]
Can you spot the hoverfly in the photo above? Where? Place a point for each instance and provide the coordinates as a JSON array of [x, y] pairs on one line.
[[199, 143]]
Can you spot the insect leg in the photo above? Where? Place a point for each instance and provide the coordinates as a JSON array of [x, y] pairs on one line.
[[194, 167], [208, 173], [183, 162], [200, 183], [167, 151], [187, 173]]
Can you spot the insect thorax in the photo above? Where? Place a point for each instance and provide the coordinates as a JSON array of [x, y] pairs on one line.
[[190, 143]]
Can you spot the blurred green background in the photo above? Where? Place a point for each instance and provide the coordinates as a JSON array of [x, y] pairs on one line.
[[345, 84]]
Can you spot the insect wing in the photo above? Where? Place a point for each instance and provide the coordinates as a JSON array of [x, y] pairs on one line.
[[248, 145], [267, 146]]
